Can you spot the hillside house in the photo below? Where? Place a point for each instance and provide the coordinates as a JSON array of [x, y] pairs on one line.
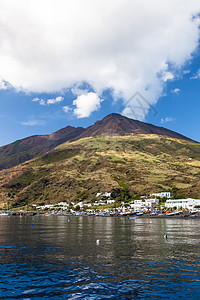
[[161, 195]]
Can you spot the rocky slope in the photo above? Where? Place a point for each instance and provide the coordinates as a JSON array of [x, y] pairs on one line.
[[34, 146], [112, 125], [131, 165], [118, 125]]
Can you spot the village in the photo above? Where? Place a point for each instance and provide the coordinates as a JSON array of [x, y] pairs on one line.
[[155, 204]]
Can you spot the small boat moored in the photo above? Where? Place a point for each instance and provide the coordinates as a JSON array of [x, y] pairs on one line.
[[6, 214]]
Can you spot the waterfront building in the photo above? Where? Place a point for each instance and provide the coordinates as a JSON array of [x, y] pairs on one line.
[[189, 203], [151, 203], [138, 205]]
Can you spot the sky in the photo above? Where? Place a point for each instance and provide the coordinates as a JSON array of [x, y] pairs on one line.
[[73, 62]]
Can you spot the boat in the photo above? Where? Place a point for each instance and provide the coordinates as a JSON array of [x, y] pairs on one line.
[[113, 214], [139, 214], [4, 214], [47, 214], [174, 213]]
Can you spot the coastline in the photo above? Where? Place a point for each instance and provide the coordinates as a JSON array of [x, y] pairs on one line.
[[179, 215]]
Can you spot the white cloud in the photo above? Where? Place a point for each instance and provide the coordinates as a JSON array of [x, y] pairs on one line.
[[166, 120], [66, 109], [48, 101], [33, 122], [36, 99], [78, 91], [175, 91], [86, 104], [4, 85], [167, 76], [197, 20], [55, 100], [186, 72], [196, 76], [41, 101], [47, 45]]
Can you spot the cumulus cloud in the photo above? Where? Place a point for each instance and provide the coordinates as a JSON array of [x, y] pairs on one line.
[[55, 100], [86, 104], [175, 91], [123, 45], [66, 109], [167, 76], [48, 101], [166, 120], [40, 101]]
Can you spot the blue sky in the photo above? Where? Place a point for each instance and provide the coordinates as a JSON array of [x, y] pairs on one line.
[[56, 72], [178, 111]]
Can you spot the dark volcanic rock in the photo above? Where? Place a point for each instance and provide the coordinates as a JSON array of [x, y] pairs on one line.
[[116, 124], [112, 125], [34, 146]]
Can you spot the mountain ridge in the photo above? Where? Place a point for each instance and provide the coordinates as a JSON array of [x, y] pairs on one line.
[[112, 125], [130, 165], [34, 146], [116, 124]]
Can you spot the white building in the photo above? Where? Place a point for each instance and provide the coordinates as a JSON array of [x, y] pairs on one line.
[[87, 204], [98, 194], [63, 204], [162, 194], [151, 203], [110, 201], [183, 203], [81, 204], [106, 194], [47, 206], [138, 205], [100, 202]]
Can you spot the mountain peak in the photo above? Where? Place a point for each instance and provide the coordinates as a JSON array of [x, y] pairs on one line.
[[112, 125], [115, 124], [112, 115]]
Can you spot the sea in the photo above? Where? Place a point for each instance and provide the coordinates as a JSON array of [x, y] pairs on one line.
[[66, 257]]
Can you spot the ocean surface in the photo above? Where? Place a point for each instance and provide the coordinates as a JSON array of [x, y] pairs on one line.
[[58, 258]]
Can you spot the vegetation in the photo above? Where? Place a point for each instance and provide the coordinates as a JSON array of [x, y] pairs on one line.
[[58, 155], [127, 166]]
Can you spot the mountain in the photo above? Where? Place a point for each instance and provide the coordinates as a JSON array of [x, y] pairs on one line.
[[118, 125], [34, 146], [112, 125], [128, 166]]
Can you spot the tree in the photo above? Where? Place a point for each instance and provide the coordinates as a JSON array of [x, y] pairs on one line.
[[115, 193], [77, 208], [162, 200], [179, 196]]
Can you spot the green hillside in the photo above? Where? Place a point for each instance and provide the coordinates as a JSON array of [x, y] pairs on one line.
[[128, 165]]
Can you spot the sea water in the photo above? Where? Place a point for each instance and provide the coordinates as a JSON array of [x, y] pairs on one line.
[[59, 258]]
